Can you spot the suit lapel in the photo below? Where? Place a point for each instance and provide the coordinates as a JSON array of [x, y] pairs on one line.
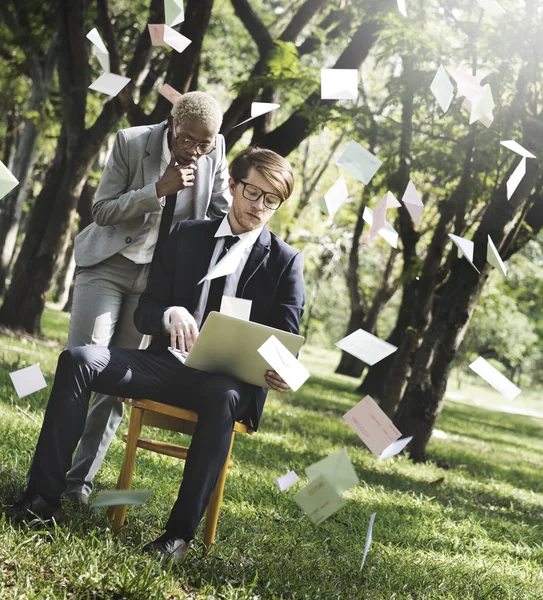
[[259, 253], [151, 163]]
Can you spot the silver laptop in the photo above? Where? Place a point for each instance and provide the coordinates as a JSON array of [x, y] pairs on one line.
[[229, 346]]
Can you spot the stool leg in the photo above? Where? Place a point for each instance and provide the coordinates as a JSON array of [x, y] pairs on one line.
[[118, 514], [214, 506]]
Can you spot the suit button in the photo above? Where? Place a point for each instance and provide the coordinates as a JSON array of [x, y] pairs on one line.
[[128, 240]]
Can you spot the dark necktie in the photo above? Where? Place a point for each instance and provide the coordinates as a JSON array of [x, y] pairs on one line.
[[165, 221], [216, 288]]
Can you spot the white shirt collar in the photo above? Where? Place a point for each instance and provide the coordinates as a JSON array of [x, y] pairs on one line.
[[249, 237], [166, 152]]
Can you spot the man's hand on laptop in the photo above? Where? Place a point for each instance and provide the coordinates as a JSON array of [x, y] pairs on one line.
[[276, 382], [183, 329]]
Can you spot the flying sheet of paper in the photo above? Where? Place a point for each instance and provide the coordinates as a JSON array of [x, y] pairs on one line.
[[395, 448], [119, 497], [174, 12], [380, 211], [494, 258], [413, 203], [258, 109], [334, 198], [368, 539], [516, 147], [402, 8], [359, 162], [516, 177], [468, 85], [319, 500], [109, 83], [442, 89], [28, 380], [284, 363], [339, 84], [229, 262], [388, 233], [99, 49], [286, 481], [8, 181], [162, 35], [236, 307], [169, 93], [337, 468], [491, 7], [371, 425], [465, 247], [487, 120], [482, 105], [492, 376], [366, 346]]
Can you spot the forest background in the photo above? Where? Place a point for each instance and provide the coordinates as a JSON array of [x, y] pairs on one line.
[[55, 135]]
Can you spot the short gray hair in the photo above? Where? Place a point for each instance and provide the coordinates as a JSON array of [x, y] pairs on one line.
[[197, 106]]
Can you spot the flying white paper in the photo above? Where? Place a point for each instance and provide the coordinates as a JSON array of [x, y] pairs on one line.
[[169, 93], [516, 147], [284, 363], [121, 497], [468, 85], [334, 198], [487, 120], [380, 211], [339, 84], [174, 12], [286, 481], [494, 258], [359, 162], [516, 177], [109, 83], [491, 7], [372, 425], [482, 105], [8, 181], [28, 380], [258, 109], [365, 346], [229, 262], [442, 89], [368, 539], [99, 49], [337, 468], [402, 8], [466, 248], [240, 308], [413, 203], [162, 35], [395, 448], [388, 233], [492, 376]]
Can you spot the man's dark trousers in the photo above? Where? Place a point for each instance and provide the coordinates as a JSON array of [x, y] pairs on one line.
[[219, 402]]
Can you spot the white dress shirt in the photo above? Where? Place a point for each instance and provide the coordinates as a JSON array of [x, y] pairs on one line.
[[231, 283], [142, 247]]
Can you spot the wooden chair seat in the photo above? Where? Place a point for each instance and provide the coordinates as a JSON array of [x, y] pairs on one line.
[[164, 416]]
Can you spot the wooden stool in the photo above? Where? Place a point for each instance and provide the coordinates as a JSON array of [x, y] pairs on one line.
[[164, 416]]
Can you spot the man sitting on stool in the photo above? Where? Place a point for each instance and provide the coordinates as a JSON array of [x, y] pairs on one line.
[[270, 274]]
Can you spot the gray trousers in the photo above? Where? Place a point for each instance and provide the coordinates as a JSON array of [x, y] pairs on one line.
[[105, 298]]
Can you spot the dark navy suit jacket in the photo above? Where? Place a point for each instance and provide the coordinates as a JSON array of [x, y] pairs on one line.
[[272, 279]]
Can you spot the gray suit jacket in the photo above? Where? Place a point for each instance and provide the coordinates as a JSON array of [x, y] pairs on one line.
[[127, 192]]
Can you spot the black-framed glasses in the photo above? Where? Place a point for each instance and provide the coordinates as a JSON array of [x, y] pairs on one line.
[[185, 143], [254, 193]]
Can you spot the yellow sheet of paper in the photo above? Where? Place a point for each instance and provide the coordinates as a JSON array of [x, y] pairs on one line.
[[319, 500]]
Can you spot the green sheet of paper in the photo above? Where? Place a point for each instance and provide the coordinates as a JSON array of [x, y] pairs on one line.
[[319, 500], [337, 468], [116, 497]]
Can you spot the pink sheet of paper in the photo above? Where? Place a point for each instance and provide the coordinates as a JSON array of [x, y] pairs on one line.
[[169, 93], [162, 35], [371, 425]]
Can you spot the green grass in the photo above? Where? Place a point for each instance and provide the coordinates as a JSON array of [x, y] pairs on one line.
[[471, 531]]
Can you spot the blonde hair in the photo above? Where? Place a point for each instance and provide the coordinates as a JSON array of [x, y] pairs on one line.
[[197, 106], [272, 166]]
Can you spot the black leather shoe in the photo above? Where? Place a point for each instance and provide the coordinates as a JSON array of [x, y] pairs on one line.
[[32, 506], [168, 545]]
